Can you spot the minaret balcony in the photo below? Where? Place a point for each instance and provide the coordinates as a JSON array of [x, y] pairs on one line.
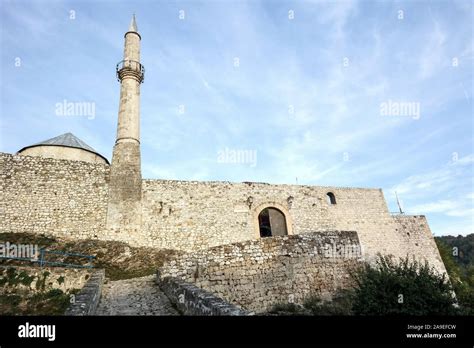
[[130, 68]]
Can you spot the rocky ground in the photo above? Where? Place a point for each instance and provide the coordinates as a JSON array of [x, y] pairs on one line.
[[136, 296]]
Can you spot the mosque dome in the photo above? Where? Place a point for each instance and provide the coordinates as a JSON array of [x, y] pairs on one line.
[[66, 146]]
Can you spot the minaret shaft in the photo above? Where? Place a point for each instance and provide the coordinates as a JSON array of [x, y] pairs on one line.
[[125, 184], [128, 128], [132, 46], [130, 75]]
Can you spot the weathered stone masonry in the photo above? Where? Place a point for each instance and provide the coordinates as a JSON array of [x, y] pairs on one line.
[[124, 208], [258, 274], [417, 240], [87, 300], [190, 215], [54, 197], [191, 300], [69, 199]]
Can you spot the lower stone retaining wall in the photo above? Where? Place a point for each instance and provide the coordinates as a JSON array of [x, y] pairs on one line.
[[87, 300], [191, 300], [31, 280], [257, 274]]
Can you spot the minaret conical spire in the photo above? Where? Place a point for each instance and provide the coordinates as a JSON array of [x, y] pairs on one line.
[[133, 24]]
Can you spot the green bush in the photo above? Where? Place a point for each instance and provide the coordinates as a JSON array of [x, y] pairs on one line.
[[407, 287], [388, 287], [54, 292], [13, 300]]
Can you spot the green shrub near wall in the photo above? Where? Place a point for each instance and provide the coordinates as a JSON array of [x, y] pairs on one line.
[[389, 287]]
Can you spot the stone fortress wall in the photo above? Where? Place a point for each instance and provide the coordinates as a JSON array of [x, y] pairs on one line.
[[54, 197], [258, 274], [190, 215], [69, 199]]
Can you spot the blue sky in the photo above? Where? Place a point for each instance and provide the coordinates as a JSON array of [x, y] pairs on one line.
[[300, 84]]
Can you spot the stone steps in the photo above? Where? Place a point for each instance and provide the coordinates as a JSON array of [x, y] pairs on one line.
[[136, 296]]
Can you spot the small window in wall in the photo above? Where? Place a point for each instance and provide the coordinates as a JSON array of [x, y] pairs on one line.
[[272, 222], [331, 198]]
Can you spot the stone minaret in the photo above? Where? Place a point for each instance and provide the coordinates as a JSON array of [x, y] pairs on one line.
[[125, 186]]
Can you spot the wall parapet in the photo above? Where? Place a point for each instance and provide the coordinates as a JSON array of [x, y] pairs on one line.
[[257, 274], [191, 300], [87, 300], [321, 244]]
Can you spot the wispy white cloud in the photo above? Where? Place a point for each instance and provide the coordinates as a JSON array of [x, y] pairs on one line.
[[440, 180], [442, 193], [433, 55], [459, 207]]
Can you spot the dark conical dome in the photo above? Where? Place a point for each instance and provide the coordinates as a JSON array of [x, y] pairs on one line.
[[65, 140]]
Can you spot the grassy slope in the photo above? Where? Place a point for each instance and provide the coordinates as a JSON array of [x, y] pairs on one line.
[[119, 260]]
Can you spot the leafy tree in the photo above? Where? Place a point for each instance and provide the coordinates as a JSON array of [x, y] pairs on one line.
[[461, 273], [464, 245]]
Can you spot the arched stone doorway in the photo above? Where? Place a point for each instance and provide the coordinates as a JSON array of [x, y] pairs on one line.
[[272, 222]]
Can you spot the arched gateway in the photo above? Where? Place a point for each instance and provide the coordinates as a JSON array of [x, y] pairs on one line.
[[272, 222]]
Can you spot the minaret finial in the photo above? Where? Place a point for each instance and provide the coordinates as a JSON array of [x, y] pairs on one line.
[[133, 25]]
